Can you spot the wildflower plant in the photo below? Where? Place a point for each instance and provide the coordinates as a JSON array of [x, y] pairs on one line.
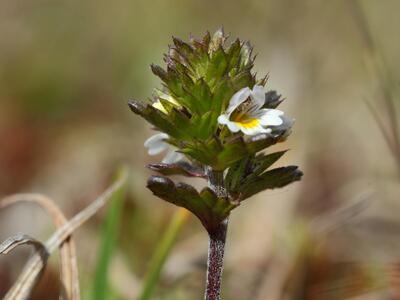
[[216, 119]]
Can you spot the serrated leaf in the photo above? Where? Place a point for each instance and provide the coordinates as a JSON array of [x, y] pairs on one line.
[[217, 67], [206, 40], [262, 141], [275, 178], [263, 162], [222, 93], [179, 168], [242, 80], [157, 118], [272, 99], [230, 154], [205, 152], [246, 53], [233, 55], [183, 48], [205, 125], [202, 93], [158, 71], [235, 174], [210, 209], [218, 40]]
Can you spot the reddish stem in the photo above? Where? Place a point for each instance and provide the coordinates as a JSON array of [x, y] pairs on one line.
[[215, 261]]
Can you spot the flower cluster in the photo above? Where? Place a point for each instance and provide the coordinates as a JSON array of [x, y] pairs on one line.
[[214, 117]]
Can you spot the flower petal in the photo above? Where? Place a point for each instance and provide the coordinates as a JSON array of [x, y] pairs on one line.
[[270, 121], [287, 122], [173, 157], [274, 112], [232, 126], [255, 130], [285, 128], [156, 144], [271, 117], [237, 99], [223, 119], [258, 95]]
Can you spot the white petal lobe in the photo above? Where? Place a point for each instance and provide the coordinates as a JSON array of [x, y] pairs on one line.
[[223, 119], [238, 99], [156, 143], [258, 95]]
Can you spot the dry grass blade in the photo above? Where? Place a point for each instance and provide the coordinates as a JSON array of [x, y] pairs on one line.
[[20, 239], [26, 281], [68, 260], [381, 74]]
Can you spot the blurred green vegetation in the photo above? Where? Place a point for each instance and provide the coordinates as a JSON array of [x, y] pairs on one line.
[[110, 234]]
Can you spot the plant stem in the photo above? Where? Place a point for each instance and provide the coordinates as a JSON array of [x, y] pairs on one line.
[[216, 249], [216, 246]]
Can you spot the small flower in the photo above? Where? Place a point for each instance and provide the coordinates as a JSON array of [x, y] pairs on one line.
[[285, 129], [156, 144], [245, 113]]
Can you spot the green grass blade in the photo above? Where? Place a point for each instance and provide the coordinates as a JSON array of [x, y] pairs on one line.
[[162, 252], [101, 289]]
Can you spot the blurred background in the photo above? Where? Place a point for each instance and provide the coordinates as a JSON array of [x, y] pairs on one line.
[[67, 70]]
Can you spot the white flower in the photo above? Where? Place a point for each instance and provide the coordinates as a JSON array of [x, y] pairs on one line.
[[285, 129], [156, 144], [245, 113]]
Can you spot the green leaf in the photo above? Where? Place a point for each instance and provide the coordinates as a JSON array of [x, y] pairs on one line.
[[217, 67], [230, 154], [205, 152], [236, 173], [263, 162], [210, 209], [157, 118], [243, 79], [202, 93], [205, 125], [248, 169], [222, 93], [246, 55], [233, 55], [199, 154], [261, 142], [158, 71], [181, 121], [179, 168], [183, 48], [275, 178]]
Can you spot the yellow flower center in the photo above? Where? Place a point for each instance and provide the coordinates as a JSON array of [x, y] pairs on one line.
[[242, 118], [249, 123]]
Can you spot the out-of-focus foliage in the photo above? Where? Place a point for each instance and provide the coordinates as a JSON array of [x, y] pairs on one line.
[[111, 229]]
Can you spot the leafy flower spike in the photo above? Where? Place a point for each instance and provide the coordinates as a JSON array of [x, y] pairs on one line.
[[217, 121], [245, 112]]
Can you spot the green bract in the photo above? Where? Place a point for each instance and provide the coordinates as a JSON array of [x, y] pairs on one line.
[[201, 77]]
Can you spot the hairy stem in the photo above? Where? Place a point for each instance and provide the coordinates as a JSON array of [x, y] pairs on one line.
[[216, 246], [216, 249]]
